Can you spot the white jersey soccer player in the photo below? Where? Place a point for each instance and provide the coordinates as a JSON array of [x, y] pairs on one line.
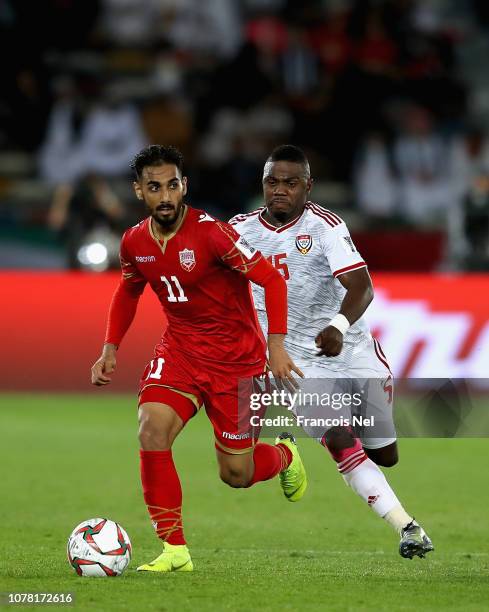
[[328, 292], [311, 251]]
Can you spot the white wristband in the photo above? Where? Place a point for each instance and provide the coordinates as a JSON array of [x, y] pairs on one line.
[[340, 322]]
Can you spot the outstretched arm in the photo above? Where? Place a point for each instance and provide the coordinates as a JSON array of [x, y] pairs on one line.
[[359, 294], [121, 314]]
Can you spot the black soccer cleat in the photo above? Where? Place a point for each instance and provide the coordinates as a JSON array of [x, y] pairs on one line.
[[414, 542]]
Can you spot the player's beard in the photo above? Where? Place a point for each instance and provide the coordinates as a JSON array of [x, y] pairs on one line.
[[283, 215], [169, 219]]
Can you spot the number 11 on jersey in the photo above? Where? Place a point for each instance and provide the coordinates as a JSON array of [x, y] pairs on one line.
[[171, 295]]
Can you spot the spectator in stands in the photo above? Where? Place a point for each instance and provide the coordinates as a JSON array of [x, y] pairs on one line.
[[476, 224], [268, 33], [299, 64], [469, 173], [332, 43], [376, 190], [130, 23], [87, 134], [421, 160], [211, 28], [376, 52], [89, 205], [233, 150], [469, 159]]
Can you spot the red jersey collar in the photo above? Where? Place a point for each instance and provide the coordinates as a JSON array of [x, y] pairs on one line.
[[163, 242]]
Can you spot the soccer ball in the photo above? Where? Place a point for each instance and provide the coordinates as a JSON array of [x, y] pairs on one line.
[[99, 547]]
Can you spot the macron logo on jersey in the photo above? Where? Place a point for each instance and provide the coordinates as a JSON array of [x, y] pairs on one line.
[[235, 436], [145, 258]]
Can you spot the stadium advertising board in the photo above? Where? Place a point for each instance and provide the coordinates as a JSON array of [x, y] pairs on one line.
[[53, 325]]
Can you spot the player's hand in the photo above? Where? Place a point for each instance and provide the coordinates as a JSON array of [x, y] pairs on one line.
[[104, 366], [329, 342], [281, 364]]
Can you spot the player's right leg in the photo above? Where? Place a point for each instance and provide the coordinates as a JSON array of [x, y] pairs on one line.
[[242, 460], [163, 413]]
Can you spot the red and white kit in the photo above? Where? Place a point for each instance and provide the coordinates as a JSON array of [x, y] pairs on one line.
[[311, 252], [201, 276]]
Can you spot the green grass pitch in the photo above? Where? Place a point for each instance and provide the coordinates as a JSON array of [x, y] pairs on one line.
[[68, 458]]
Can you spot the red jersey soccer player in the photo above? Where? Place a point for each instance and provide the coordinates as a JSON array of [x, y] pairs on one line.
[[200, 270]]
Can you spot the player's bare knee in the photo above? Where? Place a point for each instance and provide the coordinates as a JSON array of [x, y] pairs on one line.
[[152, 436], [338, 438]]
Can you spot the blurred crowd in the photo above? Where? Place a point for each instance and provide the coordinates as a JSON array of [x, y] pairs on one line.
[[389, 99]]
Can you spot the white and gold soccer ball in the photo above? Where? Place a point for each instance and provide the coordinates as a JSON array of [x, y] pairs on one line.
[[99, 547]]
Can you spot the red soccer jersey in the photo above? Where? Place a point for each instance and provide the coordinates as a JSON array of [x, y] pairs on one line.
[[198, 275]]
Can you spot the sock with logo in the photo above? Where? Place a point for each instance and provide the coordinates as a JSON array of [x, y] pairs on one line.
[[269, 461], [162, 494], [368, 481]]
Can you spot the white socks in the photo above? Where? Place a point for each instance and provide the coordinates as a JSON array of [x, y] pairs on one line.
[[399, 518], [369, 482]]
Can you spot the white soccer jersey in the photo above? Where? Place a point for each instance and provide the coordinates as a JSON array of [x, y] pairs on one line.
[[311, 252]]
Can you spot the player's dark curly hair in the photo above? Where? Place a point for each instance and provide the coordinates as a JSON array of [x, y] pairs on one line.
[[289, 153], [154, 155]]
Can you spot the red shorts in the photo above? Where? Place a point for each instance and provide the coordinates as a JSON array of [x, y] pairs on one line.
[[186, 386]]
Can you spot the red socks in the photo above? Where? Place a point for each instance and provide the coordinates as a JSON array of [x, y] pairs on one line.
[[269, 461], [162, 494]]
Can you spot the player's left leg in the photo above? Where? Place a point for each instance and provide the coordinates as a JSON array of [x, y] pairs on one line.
[[242, 461], [242, 468], [365, 477], [353, 455]]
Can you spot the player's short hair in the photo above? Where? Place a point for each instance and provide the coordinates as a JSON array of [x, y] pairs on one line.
[[155, 155], [290, 153]]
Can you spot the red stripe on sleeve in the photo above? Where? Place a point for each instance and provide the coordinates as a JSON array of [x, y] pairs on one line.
[[360, 264], [335, 216], [322, 216]]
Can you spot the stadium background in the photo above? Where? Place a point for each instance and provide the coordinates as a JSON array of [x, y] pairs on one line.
[[389, 99]]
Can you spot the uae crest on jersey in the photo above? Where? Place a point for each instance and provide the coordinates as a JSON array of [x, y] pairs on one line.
[[187, 259], [303, 243]]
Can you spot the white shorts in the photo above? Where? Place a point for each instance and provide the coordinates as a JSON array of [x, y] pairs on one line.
[[368, 386]]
